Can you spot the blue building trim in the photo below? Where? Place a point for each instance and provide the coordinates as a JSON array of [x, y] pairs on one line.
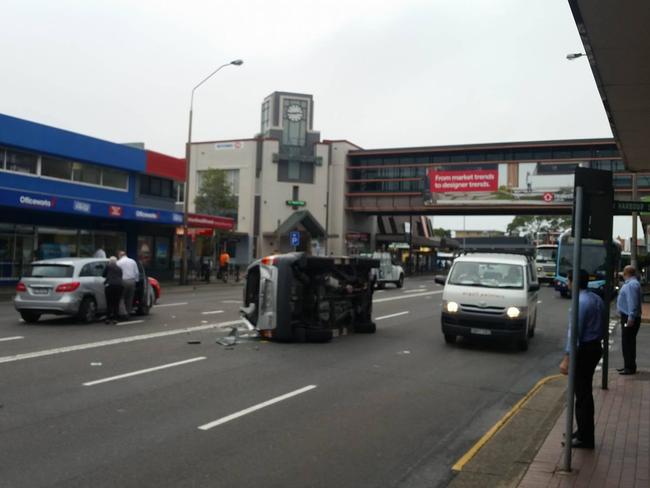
[[87, 207], [47, 186], [35, 137]]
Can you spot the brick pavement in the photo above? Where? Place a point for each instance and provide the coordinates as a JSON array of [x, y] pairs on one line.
[[622, 454]]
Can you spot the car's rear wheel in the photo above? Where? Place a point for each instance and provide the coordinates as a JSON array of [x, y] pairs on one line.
[[319, 335], [146, 307], [30, 317], [87, 310], [367, 328], [400, 283]]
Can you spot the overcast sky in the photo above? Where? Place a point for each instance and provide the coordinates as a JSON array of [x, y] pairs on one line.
[[383, 73]]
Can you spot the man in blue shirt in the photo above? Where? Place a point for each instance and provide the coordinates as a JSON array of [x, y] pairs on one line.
[[588, 353], [629, 307]]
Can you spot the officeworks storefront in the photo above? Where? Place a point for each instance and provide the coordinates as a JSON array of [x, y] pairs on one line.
[[39, 226], [64, 194]]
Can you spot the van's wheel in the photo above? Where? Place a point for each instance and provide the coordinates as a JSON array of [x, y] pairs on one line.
[[299, 334], [381, 285], [450, 338], [319, 335], [30, 317], [367, 328], [522, 344], [400, 283], [87, 310]]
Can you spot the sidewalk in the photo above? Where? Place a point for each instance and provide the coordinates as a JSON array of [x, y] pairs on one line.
[[622, 454]]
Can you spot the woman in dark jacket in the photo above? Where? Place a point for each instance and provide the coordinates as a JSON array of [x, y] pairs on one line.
[[113, 289]]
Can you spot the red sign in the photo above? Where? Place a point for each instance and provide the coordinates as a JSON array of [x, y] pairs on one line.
[[358, 236], [210, 221], [549, 197], [464, 181], [115, 210]]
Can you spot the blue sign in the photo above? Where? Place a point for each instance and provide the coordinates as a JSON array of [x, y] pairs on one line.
[[294, 237], [38, 201]]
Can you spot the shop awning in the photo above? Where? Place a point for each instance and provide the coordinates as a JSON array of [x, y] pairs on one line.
[[306, 220]]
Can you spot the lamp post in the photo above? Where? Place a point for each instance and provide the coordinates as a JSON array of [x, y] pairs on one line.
[[188, 150]]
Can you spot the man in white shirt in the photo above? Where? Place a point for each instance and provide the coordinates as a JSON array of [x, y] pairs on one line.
[[100, 253], [130, 276]]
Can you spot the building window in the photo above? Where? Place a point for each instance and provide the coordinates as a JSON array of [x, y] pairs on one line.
[[299, 171], [295, 194], [266, 116], [21, 162], [179, 191], [156, 187], [294, 122], [115, 179], [86, 173], [56, 168]]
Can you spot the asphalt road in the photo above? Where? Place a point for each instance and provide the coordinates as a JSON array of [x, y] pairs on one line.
[[138, 405]]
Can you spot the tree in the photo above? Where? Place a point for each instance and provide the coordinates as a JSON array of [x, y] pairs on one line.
[[215, 195], [530, 225], [440, 232]]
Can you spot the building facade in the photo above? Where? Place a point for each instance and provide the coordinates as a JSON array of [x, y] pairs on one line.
[[66, 194], [343, 199]]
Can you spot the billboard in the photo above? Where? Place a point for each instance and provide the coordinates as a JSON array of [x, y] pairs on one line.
[[499, 184]]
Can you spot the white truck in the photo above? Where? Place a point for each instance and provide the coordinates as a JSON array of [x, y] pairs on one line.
[[388, 271]]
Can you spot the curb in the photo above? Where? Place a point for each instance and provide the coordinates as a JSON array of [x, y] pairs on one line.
[[469, 455]]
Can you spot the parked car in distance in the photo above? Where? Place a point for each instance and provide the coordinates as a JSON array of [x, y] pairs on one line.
[[155, 288], [490, 295], [71, 286]]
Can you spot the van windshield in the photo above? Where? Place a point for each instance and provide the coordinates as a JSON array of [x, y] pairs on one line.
[[49, 271], [487, 275]]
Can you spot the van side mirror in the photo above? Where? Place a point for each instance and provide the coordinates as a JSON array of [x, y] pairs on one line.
[[440, 279], [533, 287]]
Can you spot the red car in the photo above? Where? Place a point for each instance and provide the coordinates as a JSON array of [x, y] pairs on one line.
[[155, 286]]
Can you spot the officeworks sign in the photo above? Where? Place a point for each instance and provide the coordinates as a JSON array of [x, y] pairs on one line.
[[90, 208]]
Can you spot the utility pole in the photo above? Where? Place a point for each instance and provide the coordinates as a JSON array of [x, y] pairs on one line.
[[635, 218]]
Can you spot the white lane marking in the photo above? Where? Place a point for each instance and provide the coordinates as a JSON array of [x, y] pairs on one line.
[[539, 301], [111, 342], [414, 290], [410, 295], [14, 338], [230, 301], [129, 322], [384, 317], [170, 304], [143, 371], [254, 408], [212, 312]]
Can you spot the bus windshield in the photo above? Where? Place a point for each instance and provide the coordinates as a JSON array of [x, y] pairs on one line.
[[592, 260], [545, 254]]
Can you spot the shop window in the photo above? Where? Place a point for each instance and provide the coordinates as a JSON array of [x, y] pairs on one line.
[[145, 250], [20, 162], [56, 243], [162, 255], [115, 179]]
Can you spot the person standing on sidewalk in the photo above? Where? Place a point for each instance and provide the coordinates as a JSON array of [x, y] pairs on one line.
[[130, 276], [113, 290], [629, 307], [588, 353]]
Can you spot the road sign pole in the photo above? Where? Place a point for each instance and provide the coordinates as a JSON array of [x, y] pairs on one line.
[[575, 300]]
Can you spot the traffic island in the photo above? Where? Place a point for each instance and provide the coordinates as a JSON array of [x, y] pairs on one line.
[[502, 456]]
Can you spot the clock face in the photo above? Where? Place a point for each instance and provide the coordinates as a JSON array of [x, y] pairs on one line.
[[294, 113]]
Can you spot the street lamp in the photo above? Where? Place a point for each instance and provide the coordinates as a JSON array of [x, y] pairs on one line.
[[188, 147], [573, 56]]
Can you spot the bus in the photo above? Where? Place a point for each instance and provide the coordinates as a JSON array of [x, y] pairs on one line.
[[592, 260], [546, 262]]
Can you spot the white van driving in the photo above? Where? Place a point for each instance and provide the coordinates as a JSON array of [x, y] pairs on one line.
[[490, 295]]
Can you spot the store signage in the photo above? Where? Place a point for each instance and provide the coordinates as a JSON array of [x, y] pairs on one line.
[[626, 208], [296, 203], [115, 211], [358, 236], [464, 181], [178, 218], [210, 221], [83, 207], [147, 215], [41, 202], [220, 146]]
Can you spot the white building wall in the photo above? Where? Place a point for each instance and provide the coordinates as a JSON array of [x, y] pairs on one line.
[[239, 155]]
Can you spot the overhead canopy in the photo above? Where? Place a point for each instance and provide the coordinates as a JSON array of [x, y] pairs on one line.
[[306, 220], [616, 37]]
